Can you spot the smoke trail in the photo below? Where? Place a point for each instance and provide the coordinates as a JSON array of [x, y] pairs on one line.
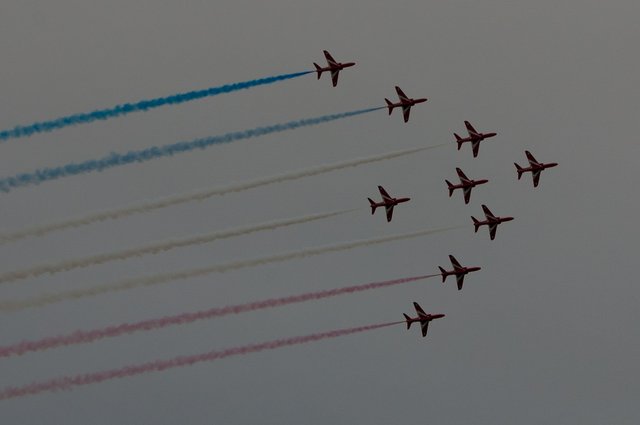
[[83, 337], [117, 159], [201, 195], [159, 247], [76, 294], [143, 105], [69, 382]]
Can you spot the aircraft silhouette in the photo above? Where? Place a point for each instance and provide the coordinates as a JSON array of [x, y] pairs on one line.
[[387, 202], [405, 103], [423, 318], [333, 67]]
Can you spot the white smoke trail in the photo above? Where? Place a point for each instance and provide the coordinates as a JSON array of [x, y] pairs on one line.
[[159, 247], [200, 196], [43, 300]]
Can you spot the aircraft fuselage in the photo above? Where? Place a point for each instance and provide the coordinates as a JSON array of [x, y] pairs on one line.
[[495, 220], [392, 202], [409, 103], [539, 167], [337, 67], [477, 137], [460, 272], [427, 318], [470, 183]]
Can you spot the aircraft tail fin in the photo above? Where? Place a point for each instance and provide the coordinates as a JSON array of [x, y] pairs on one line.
[[443, 272], [476, 224], [408, 319], [319, 69], [459, 140], [372, 205], [390, 105], [519, 169], [451, 188]]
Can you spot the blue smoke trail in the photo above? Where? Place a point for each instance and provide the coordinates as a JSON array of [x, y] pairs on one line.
[[143, 105], [117, 159]]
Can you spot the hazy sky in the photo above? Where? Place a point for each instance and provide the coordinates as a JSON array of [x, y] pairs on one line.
[[547, 332]]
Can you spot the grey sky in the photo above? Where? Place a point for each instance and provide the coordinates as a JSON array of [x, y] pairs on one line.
[[545, 333]]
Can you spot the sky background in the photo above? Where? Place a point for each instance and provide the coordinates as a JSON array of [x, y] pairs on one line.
[[547, 332]]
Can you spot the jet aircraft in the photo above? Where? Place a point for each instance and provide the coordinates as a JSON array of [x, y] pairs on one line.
[[458, 271], [466, 184], [405, 103], [423, 318], [535, 168], [491, 221], [475, 137], [333, 67], [387, 202]]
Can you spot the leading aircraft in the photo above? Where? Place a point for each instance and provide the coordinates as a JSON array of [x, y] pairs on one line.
[[535, 168], [458, 271], [475, 137], [405, 103], [333, 66], [387, 202], [466, 184], [423, 318], [491, 221]]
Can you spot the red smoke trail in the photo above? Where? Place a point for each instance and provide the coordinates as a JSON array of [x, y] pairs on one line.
[[68, 382], [82, 337]]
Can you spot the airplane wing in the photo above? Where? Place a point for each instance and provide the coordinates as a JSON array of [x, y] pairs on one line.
[[425, 327], [384, 194], [487, 212], [401, 94], [330, 59], [531, 158], [467, 194], [476, 147], [389, 210], [406, 110], [460, 281], [470, 129], [334, 77], [456, 265], [419, 309], [462, 175], [536, 178], [492, 231]]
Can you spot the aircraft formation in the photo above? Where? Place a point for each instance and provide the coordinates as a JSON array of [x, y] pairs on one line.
[[474, 137], [387, 202]]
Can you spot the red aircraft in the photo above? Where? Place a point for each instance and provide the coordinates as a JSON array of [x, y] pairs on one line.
[[474, 138], [535, 168], [492, 221], [387, 202], [458, 271], [466, 184], [333, 67], [423, 318], [405, 102]]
